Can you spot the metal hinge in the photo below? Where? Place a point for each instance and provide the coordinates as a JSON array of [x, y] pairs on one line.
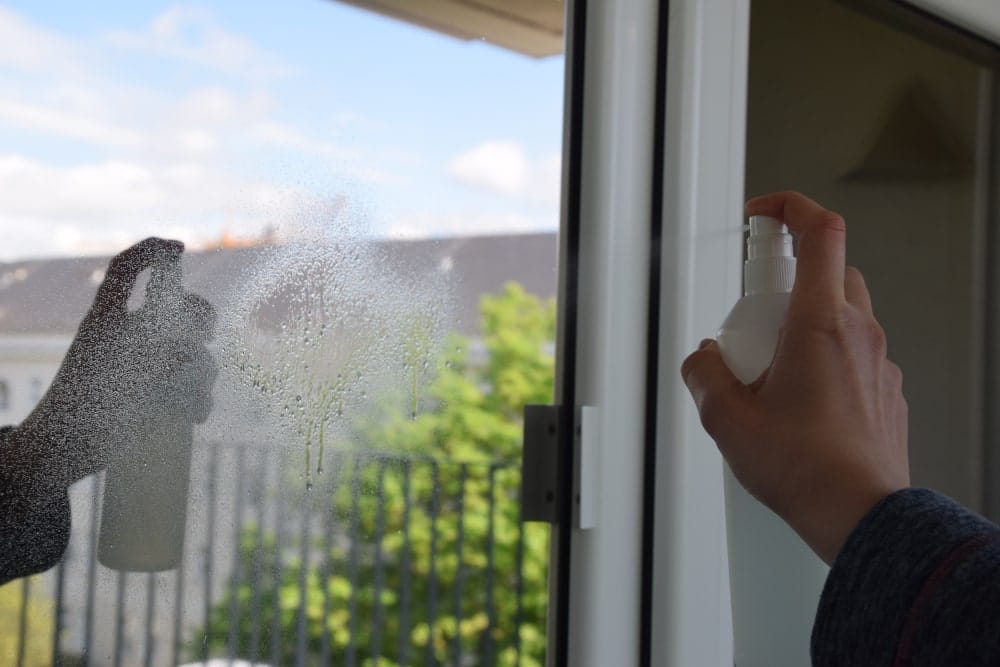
[[540, 465]]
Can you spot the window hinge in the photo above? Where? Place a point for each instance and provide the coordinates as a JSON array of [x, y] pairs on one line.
[[540, 465]]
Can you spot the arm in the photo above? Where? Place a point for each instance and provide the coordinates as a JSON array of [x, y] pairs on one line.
[[916, 583], [109, 385], [34, 516]]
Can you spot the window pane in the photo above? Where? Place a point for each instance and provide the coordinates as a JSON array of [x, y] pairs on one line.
[[884, 128], [369, 203]]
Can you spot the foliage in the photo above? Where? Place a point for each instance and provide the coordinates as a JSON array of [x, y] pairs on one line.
[[38, 617], [425, 557]]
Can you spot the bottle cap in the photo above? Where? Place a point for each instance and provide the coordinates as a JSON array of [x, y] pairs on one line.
[[770, 263]]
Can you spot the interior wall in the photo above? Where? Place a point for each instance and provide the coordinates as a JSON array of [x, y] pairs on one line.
[[824, 82]]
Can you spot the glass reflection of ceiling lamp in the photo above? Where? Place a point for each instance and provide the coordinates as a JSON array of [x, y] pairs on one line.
[[917, 143]]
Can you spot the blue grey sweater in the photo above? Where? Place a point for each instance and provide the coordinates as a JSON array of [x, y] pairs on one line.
[[916, 583]]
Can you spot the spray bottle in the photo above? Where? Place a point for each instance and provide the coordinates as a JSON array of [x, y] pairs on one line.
[[775, 579], [144, 511]]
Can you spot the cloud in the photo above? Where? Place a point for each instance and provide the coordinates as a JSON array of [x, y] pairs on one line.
[[27, 47], [105, 206], [430, 225], [68, 124], [501, 166], [190, 34], [504, 167]]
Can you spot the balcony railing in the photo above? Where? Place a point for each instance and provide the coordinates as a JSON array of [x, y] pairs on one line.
[[383, 559]]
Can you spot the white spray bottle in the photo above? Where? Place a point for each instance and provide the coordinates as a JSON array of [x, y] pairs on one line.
[[144, 513], [775, 579]]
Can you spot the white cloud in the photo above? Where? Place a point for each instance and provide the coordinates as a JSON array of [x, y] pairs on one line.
[[504, 167], [28, 47], [67, 124], [103, 207], [190, 34], [430, 225], [281, 135], [501, 166]]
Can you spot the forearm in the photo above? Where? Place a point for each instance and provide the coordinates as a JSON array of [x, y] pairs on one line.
[[915, 584], [34, 511]]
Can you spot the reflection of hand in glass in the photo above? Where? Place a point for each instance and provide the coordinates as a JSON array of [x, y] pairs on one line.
[[126, 375]]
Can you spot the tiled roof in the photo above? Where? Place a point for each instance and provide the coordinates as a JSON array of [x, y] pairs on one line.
[[49, 297]]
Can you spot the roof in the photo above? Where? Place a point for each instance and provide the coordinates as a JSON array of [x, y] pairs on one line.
[[531, 27], [50, 296]]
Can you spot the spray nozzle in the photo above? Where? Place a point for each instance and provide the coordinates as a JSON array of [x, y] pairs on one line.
[[770, 263]]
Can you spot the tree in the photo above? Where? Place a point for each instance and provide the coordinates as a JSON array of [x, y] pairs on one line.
[[35, 612], [428, 557]]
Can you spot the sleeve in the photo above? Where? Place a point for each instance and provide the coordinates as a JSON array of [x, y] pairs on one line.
[[34, 519], [916, 583]]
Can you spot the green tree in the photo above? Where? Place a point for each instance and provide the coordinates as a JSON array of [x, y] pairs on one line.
[[429, 557], [36, 613]]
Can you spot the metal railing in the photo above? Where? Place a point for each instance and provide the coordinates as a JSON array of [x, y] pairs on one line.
[[383, 559]]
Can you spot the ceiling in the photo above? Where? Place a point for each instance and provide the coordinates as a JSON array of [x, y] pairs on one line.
[[531, 27]]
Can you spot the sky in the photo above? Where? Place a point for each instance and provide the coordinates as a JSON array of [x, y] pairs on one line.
[[120, 120]]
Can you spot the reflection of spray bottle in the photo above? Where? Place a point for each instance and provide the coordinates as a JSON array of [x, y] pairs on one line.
[[144, 513], [775, 579]]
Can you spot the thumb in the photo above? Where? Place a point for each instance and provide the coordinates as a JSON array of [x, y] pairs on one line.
[[724, 403], [124, 269]]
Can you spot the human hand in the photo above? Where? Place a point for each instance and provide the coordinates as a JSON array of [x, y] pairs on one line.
[[821, 437], [125, 370]]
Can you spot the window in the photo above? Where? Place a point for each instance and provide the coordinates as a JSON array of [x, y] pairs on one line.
[[371, 207]]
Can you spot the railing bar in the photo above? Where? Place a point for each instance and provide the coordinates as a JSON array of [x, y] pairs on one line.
[[405, 596], [260, 488], [119, 616], [150, 610], [328, 520], [432, 566], [279, 521], [379, 565], [234, 586], [22, 633], [491, 609], [178, 611], [209, 549], [459, 567], [351, 657], [306, 534], [57, 660], [519, 612], [88, 633]]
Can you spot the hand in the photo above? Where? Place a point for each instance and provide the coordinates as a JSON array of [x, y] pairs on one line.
[[820, 438], [125, 370]]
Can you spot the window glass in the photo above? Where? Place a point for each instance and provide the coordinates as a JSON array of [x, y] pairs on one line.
[[887, 129], [315, 460]]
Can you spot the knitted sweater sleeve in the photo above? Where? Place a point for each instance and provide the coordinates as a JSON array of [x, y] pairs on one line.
[[916, 583], [34, 520]]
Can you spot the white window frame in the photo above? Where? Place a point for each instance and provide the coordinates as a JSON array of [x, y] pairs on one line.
[[700, 279]]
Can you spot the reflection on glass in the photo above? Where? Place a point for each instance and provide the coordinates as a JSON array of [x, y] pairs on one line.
[[883, 127], [369, 206]]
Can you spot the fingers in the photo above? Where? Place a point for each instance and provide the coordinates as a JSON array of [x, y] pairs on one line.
[[124, 269], [856, 291], [821, 244], [724, 403]]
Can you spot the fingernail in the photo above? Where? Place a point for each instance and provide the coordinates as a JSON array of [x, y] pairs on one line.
[[705, 343]]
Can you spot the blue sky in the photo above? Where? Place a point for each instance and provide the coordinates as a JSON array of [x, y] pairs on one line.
[[123, 119]]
